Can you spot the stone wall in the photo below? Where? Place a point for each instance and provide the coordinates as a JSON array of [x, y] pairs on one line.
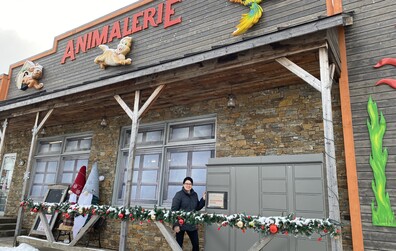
[[278, 121]]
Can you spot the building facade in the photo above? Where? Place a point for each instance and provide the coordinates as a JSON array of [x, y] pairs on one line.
[[185, 64]]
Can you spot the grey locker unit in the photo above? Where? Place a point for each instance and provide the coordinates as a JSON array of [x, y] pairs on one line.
[[267, 186]]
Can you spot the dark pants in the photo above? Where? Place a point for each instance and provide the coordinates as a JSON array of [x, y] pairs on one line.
[[193, 237]]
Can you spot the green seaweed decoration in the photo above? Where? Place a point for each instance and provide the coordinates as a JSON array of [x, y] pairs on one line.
[[382, 214]]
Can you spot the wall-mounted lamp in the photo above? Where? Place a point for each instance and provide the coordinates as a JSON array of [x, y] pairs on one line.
[[21, 162], [103, 123], [231, 101]]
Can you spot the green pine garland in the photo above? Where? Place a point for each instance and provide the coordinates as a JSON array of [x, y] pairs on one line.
[[265, 225]]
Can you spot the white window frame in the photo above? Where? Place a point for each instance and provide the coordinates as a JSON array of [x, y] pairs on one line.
[[208, 144], [59, 157]]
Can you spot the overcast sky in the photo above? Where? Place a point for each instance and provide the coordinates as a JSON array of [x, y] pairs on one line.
[[29, 27]]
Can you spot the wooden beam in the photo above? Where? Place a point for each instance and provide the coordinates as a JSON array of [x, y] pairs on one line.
[[94, 218], [47, 230], [300, 72], [349, 149], [44, 120], [168, 237], [124, 106], [261, 243], [150, 100], [330, 157]]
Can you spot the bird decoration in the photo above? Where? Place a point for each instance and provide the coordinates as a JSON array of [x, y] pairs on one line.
[[248, 19]]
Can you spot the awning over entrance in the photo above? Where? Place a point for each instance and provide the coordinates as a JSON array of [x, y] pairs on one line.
[[241, 67]]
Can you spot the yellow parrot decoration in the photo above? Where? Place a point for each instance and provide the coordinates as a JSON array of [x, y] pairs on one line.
[[248, 19]]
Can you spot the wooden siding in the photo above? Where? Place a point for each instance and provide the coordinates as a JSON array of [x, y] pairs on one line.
[[205, 24], [371, 38]]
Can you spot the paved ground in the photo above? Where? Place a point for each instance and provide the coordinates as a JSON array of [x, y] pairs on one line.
[[6, 241]]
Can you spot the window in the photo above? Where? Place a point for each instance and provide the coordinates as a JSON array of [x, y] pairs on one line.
[[186, 162], [58, 161], [165, 154]]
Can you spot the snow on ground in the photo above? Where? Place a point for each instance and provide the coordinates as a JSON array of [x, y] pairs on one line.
[[22, 247]]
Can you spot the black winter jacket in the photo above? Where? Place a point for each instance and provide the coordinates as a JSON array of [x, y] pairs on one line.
[[187, 202]]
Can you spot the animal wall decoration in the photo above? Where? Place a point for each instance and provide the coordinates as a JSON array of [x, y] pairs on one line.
[[29, 76], [114, 57], [248, 19]]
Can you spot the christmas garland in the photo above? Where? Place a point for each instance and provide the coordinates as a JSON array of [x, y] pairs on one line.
[[290, 224]]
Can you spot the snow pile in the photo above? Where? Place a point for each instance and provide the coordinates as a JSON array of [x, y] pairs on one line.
[[22, 247]]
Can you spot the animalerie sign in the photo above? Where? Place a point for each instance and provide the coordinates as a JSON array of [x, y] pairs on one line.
[[164, 13]]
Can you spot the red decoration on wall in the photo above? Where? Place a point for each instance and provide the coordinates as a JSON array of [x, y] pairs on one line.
[[386, 81], [386, 61]]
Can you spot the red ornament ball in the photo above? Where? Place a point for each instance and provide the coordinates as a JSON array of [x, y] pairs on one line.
[[181, 222], [120, 215], [273, 229]]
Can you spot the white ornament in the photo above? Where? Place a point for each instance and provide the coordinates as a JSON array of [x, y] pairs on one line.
[[240, 224]]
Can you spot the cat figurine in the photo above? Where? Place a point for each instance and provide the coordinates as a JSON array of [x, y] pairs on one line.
[[114, 57]]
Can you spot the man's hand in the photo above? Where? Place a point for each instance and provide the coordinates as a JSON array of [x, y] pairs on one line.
[[176, 229], [204, 196]]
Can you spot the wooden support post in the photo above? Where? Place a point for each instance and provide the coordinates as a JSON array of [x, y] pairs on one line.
[[130, 165], [2, 138], [26, 176], [168, 236], [261, 243], [135, 116], [330, 158], [324, 86]]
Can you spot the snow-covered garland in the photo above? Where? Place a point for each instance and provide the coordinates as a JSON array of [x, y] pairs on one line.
[[265, 225]]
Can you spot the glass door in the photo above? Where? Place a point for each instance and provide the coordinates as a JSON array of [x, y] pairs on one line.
[[6, 170]]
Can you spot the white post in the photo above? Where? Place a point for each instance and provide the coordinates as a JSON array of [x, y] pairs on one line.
[[330, 158], [130, 165], [26, 175], [2, 135]]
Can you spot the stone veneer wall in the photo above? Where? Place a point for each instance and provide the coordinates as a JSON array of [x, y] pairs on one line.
[[278, 121]]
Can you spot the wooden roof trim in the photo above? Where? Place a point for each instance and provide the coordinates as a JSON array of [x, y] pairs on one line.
[[337, 6], [330, 7], [4, 86], [301, 30], [349, 147], [79, 29]]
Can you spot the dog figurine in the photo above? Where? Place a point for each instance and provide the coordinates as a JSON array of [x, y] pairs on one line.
[[29, 76], [114, 57]]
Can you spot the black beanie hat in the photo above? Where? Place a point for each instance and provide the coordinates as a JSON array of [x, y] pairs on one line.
[[188, 178]]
